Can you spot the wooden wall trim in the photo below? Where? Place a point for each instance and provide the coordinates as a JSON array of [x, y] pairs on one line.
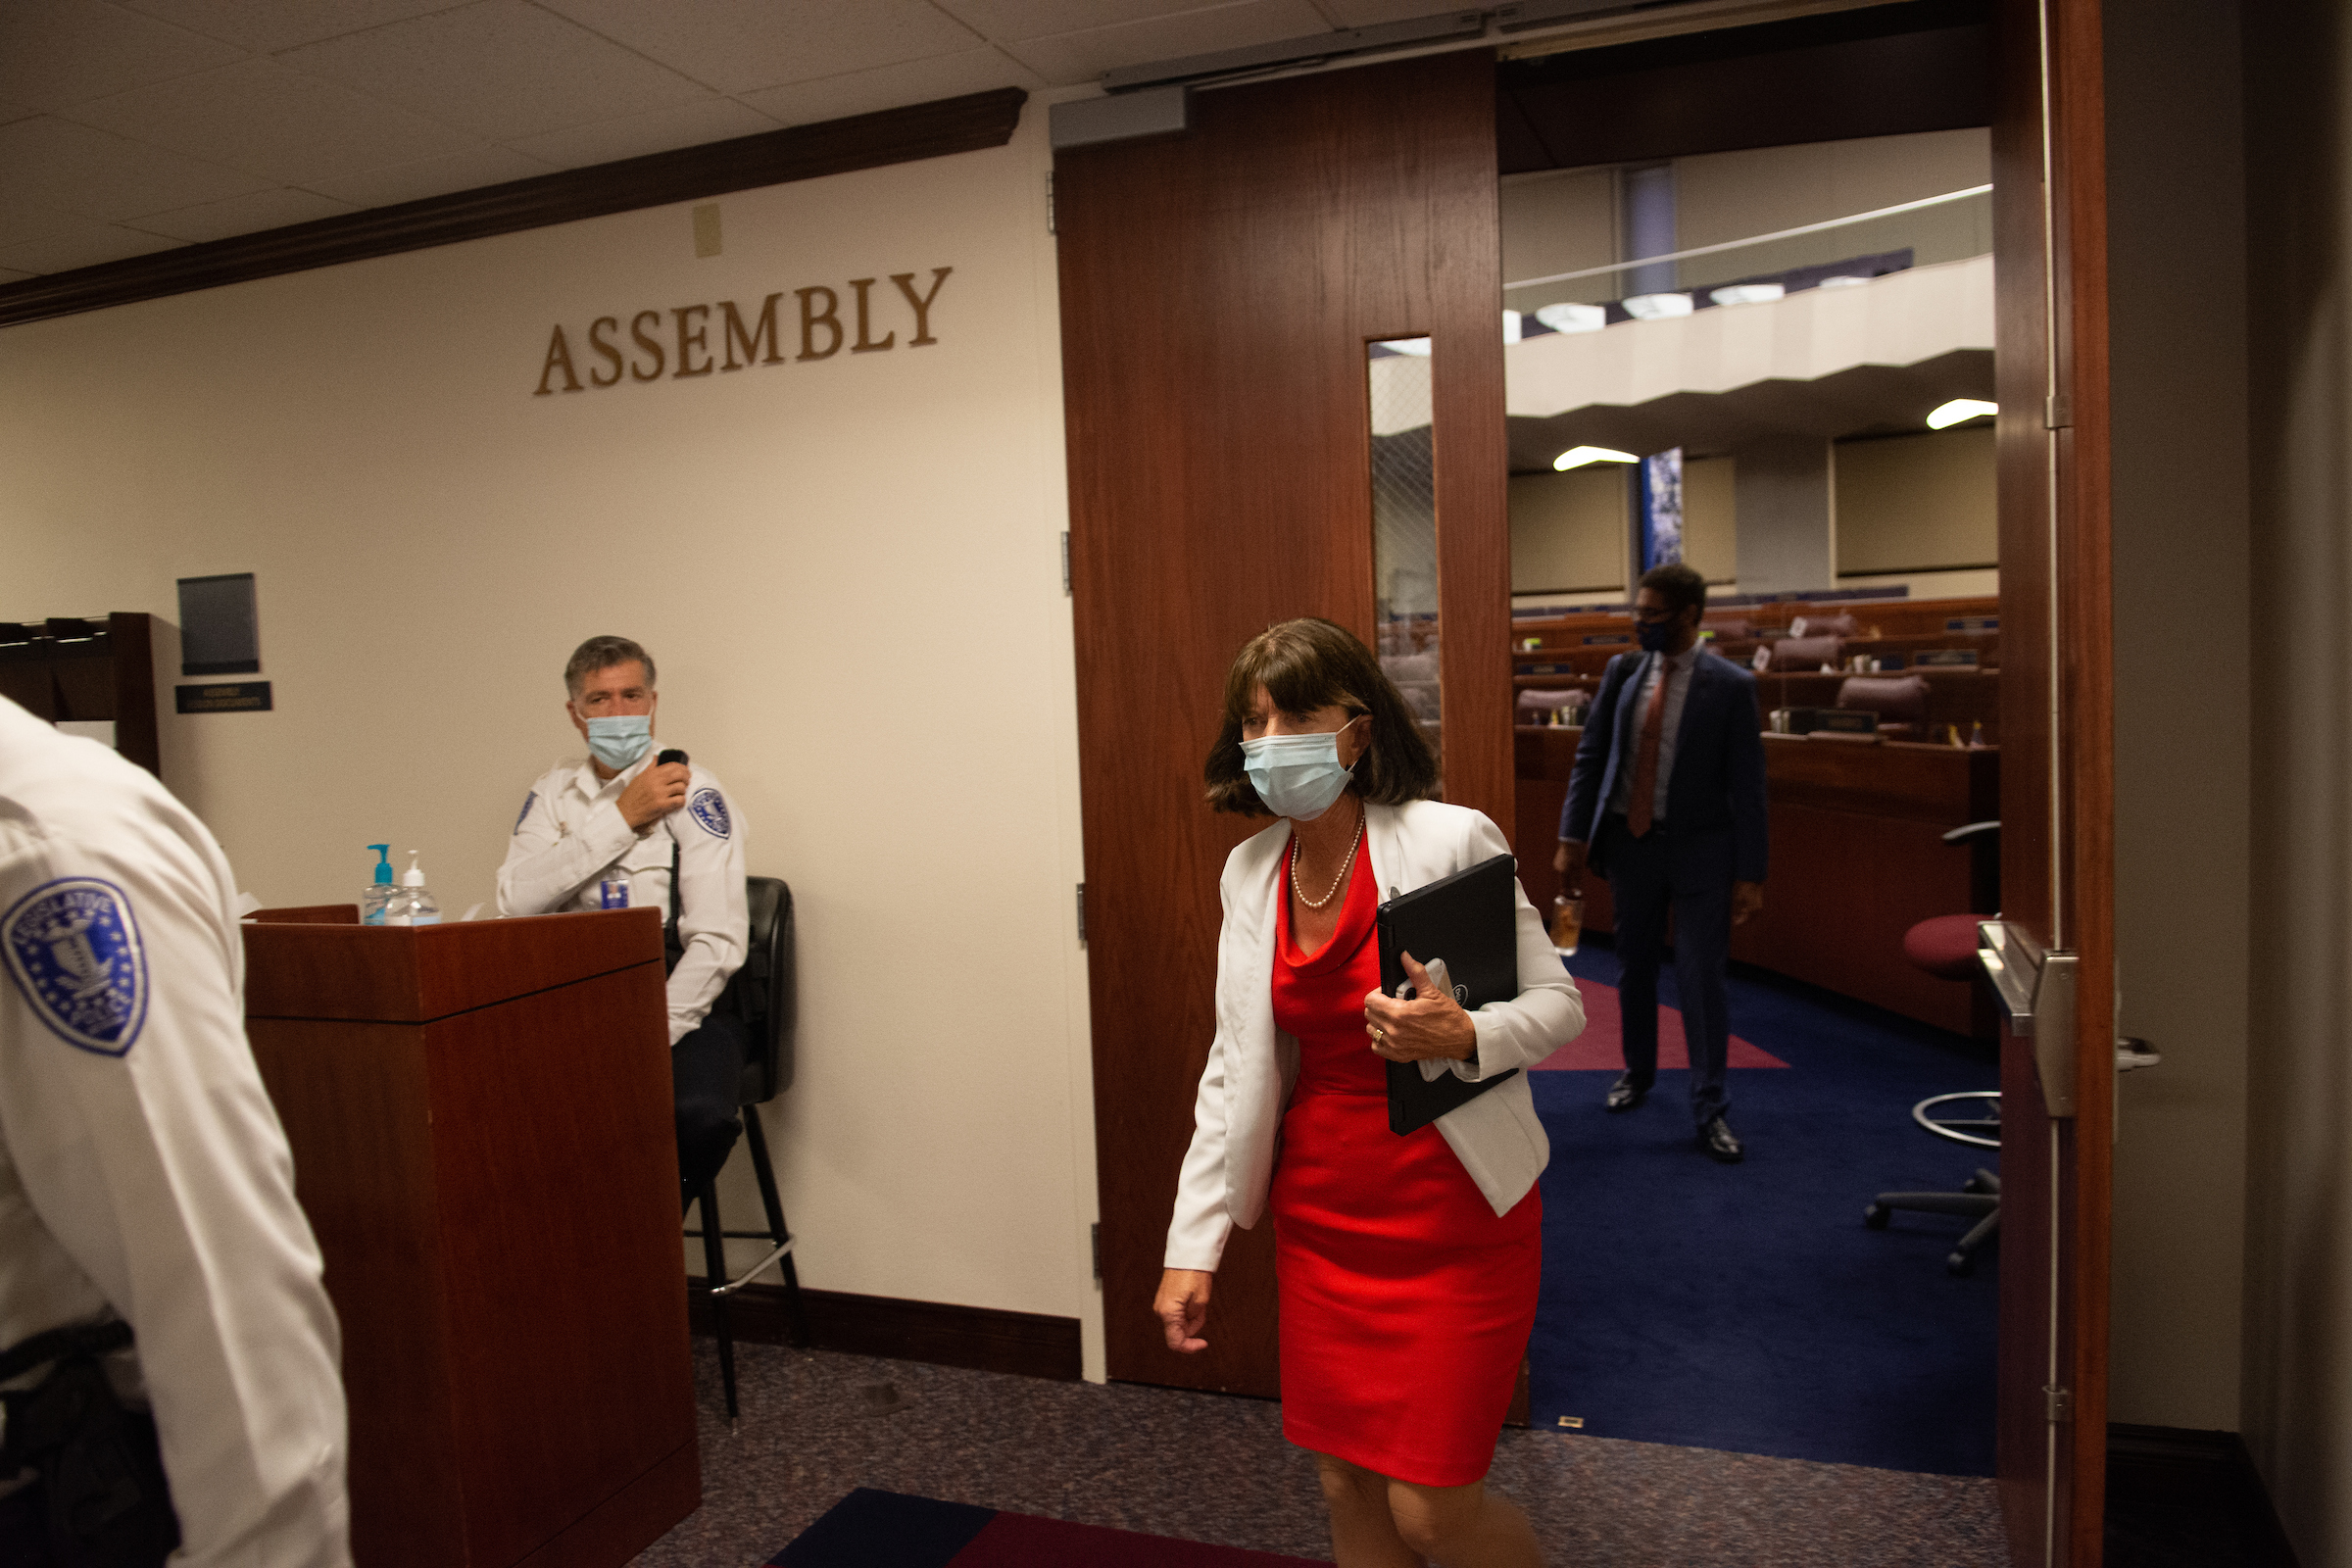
[[982, 1338], [969, 123]]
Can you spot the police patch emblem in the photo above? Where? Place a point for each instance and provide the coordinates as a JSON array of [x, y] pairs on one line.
[[524, 816], [709, 809], [75, 952]]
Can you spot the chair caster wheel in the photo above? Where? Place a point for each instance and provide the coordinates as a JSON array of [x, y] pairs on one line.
[[1960, 1265], [1973, 1185], [1877, 1215]]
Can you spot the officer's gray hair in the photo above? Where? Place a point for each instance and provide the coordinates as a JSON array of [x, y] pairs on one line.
[[603, 653]]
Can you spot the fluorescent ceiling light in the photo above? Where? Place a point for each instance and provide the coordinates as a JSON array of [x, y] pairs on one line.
[[1747, 293], [1842, 280], [1651, 307], [1566, 317], [1415, 346], [1511, 327], [1578, 457], [1960, 410]]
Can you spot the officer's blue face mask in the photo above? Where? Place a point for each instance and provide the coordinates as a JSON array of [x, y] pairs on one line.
[[619, 741], [1298, 777]]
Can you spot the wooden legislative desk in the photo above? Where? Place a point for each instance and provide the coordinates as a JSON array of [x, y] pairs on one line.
[[481, 1119], [1858, 859]]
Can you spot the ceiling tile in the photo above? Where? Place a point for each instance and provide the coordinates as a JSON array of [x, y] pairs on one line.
[[1372, 13], [59, 52], [862, 92], [1013, 19], [706, 119], [244, 215], [19, 222], [1067, 58], [736, 45], [259, 116], [83, 245], [49, 162], [273, 24], [432, 176], [499, 68]]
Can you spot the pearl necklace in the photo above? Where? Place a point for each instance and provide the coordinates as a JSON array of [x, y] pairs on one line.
[[1333, 891]]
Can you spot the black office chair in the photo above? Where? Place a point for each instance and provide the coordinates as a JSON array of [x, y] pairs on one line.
[[1946, 947], [763, 994]]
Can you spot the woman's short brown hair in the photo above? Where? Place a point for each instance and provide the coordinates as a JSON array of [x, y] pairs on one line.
[[1310, 664]]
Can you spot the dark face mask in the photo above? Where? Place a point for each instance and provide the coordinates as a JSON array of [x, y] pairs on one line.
[[1655, 636]]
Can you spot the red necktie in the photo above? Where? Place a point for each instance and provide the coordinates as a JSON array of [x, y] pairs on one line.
[[1646, 755]]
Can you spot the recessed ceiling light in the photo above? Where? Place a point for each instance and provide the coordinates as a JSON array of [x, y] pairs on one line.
[[1842, 280], [1960, 410], [1578, 457], [1747, 293], [1651, 307], [1566, 317]]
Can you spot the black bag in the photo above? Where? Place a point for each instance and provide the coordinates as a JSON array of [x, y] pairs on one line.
[[99, 1487]]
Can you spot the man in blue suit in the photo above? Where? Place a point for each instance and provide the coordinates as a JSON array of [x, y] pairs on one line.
[[1667, 802]]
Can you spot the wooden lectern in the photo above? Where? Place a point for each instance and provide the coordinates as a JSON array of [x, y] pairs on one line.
[[480, 1118]]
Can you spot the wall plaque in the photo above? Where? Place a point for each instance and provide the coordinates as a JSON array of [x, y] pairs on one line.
[[235, 697]]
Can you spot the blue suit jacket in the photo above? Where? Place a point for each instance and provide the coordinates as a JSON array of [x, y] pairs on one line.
[[1715, 801]]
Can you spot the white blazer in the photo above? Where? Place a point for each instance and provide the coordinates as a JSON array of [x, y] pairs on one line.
[[1237, 1121]]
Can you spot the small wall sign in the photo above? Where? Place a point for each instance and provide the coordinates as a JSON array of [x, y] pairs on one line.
[[235, 697]]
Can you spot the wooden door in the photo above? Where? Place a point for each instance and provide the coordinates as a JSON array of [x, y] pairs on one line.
[[1218, 292], [2057, 778]]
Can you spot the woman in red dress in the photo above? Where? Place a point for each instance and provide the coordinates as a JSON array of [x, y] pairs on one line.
[[1408, 1267]]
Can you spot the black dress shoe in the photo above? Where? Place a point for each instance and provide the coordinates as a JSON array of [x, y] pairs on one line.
[[1625, 1094], [1721, 1145]]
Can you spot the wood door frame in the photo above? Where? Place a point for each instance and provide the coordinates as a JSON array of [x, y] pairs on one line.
[[2058, 778]]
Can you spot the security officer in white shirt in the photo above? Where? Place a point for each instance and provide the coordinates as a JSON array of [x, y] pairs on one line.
[[622, 809], [148, 1224]]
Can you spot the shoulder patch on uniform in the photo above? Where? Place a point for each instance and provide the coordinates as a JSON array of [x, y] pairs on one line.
[[524, 816], [709, 807], [73, 951]]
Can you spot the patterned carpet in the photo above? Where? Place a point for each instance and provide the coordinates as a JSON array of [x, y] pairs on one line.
[[1213, 1468]]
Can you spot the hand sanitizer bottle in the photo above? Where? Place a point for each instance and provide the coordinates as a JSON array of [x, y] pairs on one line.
[[378, 891], [412, 904]]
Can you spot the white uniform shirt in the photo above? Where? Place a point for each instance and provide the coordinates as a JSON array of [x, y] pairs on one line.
[[143, 1173], [570, 830], [1677, 668]]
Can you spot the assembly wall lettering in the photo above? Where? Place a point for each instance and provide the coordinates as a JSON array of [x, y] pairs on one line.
[[685, 341]]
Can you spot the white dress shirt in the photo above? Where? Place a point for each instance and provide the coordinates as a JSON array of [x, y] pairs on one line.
[[571, 832], [143, 1172], [1678, 689]]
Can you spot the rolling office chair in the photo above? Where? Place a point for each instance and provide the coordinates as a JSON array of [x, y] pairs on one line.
[[1945, 947], [762, 994]]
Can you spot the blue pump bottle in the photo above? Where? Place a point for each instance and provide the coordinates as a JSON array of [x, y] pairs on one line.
[[378, 891]]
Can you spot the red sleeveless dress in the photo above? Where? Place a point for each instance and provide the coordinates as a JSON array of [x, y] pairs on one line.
[[1406, 1301]]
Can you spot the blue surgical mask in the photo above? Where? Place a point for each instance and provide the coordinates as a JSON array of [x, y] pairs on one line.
[[1298, 777], [621, 740], [1655, 636]]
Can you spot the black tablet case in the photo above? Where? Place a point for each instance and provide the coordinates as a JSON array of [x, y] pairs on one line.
[[1469, 920]]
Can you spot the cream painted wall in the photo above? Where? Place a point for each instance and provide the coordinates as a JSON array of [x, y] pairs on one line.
[[1571, 532], [1916, 503], [848, 571], [1727, 196], [1711, 519]]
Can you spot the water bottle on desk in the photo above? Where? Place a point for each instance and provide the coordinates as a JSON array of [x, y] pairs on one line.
[[1567, 924]]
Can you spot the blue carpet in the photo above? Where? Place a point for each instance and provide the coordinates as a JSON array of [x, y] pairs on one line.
[[1747, 1306]]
